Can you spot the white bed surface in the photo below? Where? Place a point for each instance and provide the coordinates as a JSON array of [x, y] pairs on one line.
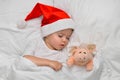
[[98, 21]]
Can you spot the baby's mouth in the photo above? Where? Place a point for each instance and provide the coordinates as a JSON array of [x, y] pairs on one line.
[[62, 45]]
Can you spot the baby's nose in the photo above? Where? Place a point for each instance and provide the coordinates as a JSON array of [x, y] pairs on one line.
[[64, 39]]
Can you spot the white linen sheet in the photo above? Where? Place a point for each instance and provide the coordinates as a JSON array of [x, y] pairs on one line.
[[98, 21]]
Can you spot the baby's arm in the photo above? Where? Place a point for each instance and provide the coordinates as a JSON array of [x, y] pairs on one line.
[[45, 62]]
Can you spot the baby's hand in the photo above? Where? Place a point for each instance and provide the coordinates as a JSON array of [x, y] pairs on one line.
[[55, 65]]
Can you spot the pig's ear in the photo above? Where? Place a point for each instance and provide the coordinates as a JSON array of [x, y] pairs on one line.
[[73, 49], [91, 48]]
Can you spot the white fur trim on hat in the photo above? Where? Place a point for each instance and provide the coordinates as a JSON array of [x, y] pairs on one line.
[[57, 26], [21, 24]]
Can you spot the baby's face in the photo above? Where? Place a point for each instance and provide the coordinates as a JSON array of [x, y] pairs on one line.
[[58, 40]]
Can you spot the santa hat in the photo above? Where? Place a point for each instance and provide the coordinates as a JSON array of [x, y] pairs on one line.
[[53, 20]]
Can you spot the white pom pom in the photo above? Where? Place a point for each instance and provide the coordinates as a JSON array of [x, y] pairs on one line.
[[22, 24]]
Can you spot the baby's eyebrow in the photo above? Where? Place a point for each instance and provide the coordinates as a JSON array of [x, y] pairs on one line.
[[69, 35], [60, 33]]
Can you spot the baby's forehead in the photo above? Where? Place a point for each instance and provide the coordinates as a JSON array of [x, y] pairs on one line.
[[65, 32]]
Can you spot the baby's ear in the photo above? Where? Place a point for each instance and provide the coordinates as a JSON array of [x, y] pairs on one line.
[[91, 47], [73, 49]]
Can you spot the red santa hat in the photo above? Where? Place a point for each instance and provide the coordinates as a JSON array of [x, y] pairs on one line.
[[53, 20]]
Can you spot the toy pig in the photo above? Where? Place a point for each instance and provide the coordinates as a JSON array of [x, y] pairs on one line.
[[82, 56]]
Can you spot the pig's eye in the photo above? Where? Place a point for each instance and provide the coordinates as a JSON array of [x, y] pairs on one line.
[[84, 52], [80, 52]]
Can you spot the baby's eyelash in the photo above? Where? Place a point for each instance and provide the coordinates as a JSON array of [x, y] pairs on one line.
[[60, 35], [67, 38]]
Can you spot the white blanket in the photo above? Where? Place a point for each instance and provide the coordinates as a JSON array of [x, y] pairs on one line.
[[98, 21]]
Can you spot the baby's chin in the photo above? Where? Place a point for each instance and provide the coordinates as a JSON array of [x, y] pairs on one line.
[[59, 49]]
